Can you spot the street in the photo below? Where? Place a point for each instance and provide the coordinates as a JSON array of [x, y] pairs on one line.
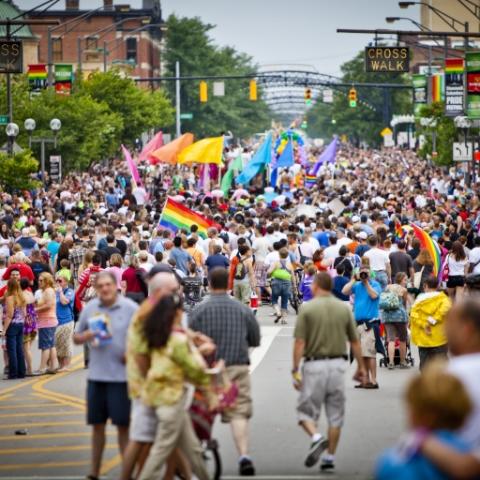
[[51, 409]]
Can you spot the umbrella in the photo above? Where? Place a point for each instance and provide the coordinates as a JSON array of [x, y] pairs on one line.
[[240, 192]]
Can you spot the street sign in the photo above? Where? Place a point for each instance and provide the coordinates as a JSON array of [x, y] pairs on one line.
[[462, 152], [328, 95], [186, 116], [3, 119], [11, 56], [387, 59], [218, 89]]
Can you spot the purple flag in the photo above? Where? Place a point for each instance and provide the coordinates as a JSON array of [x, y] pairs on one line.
[[327, 156], [154, 144], [132, 167]]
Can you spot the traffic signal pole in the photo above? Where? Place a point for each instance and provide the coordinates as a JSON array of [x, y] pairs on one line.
[[177, 99]]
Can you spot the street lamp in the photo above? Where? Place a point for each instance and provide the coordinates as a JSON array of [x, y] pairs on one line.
[[447, 18], [12, 132], [30, 125]]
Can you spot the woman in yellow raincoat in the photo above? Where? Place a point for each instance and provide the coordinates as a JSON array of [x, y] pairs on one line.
[[427, 318]]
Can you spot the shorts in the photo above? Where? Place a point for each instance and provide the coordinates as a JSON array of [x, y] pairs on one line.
[[64, 340], [367, 341], [108, 400], [143, 426], [242, 292], [261, 274], [323, 383], [240, 374], [456, 281], [46, 338], [396, 330]]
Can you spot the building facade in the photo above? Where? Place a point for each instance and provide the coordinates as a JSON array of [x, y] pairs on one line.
[[96, 40]]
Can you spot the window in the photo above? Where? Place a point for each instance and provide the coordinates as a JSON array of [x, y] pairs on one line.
[[57, 49], [92, 43], [131, 44]]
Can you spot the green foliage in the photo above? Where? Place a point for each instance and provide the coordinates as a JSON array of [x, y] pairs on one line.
[[188, 42], [99, 115], [444, 131], [139, 109], [359, 123], [16, 171]]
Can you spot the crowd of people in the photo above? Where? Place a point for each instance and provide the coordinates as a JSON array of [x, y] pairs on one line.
[[92, 251]]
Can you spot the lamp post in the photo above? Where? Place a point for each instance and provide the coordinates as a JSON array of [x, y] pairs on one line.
[[55, 126], [12, 131]]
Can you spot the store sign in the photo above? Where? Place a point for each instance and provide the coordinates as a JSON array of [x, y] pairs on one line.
[[56, 168], [63, 78], [11, 56], [454, 86], [472, 60], [387, 59]]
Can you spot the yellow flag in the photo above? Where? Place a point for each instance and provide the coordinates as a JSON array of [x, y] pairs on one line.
[[208, 150]]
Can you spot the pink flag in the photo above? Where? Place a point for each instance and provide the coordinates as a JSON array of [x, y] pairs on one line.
[[132, 167], [154, 144]]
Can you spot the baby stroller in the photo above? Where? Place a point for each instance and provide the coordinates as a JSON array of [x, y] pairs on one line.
[[296, 297], [202, 420], [193, 291], [396, 359]]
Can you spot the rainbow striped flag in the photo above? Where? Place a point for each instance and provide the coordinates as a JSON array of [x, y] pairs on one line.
[[399, 232], [310, 180], [437, 87], [176, 216], [427, 242]]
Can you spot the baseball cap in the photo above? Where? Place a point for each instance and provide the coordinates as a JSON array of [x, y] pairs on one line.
[[362, 235]]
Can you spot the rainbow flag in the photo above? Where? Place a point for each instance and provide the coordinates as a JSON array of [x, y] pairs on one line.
[[437, 87], [426, 241], [310, 180], [176, 216], [399, 232]]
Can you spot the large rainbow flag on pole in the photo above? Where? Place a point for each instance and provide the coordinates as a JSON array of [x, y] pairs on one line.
[[176, 216], [427, 242]]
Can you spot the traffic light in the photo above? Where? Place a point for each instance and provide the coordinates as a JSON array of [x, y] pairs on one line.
[[203, 91], [308, 96], [352, 97], [253, 90]]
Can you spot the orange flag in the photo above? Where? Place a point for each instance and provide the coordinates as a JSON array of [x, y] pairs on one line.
[[169, 152]]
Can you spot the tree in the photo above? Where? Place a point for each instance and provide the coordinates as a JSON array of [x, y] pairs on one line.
[[360, 123], [16, 171], [188, 42], [444, 131], [139, 109]]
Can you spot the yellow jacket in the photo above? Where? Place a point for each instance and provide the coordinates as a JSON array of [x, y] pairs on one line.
[[433, 305]]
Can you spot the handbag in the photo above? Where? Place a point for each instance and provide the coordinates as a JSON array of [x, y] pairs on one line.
[[417, 278]]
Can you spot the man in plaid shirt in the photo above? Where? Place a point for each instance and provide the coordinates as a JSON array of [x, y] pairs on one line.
[[234, 329]]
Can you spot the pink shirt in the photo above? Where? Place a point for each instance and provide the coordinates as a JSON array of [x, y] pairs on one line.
[[48, 318]]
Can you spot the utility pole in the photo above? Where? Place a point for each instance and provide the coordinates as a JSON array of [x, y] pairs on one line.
[[177, 98], [9, 79]]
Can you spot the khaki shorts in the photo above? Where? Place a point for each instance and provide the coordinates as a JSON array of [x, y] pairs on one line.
[[367, 341], [64, 340], [242, 292], [240, 374], [323, 383], [143, 422]]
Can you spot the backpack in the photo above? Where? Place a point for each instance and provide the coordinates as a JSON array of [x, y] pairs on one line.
[[303, 258], [240, 270], [389, 301]]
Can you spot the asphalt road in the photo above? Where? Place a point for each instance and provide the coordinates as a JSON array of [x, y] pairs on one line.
[[52, 410]]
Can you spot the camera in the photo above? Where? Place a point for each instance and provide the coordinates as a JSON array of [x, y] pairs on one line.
[[363, 275]]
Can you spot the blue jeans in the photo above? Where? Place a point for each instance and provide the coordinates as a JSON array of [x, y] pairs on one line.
[[281, 289], [16, 359]]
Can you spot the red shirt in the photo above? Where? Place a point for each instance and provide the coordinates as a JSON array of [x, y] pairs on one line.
[[23, 268], [133, 283]]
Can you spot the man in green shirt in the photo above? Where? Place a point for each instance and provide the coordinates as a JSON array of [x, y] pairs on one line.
[[324, 326]]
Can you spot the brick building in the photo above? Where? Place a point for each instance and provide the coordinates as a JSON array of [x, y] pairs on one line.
[[116, 34]]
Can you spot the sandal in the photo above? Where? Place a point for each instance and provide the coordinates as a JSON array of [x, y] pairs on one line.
[[38, 373], [371, 386]]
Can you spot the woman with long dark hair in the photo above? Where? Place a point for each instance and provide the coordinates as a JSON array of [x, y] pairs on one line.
[[457, 263], [173, 361]]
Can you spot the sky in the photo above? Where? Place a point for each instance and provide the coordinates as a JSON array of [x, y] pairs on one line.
[[285, 32]]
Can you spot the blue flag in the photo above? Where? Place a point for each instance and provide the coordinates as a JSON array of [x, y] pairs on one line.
[[261, 158], [327, 156], [286, 158]]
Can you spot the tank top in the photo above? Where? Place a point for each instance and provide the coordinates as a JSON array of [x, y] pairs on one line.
[[48, 318]]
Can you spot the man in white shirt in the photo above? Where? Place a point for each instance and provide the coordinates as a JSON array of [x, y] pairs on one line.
[[463, 333], [260, 246], [474, 257], [140, 195], [342, 238], [379, 262], [331, 252]]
